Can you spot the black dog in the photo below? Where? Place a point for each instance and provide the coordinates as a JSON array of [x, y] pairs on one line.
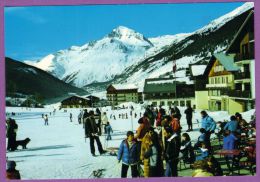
[[23, 143]]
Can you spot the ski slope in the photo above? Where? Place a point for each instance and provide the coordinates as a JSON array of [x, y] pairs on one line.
[[59, 151]]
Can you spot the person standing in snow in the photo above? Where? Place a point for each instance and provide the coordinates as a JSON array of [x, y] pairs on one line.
[[109, 130], [129, 154], [79, 117], [177, 112], [12, 128], [70, 117], [172, 151], [209, 125], [46, 119], [98, 118], [144, 126], [104, 121], [91, 131], [188, 113]]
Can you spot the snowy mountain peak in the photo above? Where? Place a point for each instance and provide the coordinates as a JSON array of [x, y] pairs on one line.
[[129, 36]]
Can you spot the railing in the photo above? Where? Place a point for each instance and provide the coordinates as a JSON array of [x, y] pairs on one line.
[[179, 95], [240, 94], [240, 57], [219, 85], [242, 75]]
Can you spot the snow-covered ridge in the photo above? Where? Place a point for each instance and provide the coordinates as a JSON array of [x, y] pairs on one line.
[[217, 23]]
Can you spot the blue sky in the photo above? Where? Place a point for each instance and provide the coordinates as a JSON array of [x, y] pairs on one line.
[[34, 32]]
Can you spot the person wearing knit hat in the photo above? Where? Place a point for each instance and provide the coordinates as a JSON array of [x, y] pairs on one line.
[[11, 172]]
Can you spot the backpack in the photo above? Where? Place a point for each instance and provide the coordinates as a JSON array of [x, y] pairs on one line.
[[175, 124]]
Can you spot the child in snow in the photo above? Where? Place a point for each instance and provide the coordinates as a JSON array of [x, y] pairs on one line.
[[129, 154], [109, 130], [11, 172]]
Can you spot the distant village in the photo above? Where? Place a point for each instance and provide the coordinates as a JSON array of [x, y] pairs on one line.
[[226, 83]]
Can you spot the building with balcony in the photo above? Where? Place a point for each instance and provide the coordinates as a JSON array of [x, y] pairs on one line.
[[162, 91], [242, 47], [220, 71], [120, 93]]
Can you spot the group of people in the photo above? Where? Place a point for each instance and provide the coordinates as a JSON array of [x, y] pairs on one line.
[[159, 144]]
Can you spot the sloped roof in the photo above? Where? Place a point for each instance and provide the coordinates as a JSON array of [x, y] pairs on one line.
[[227, 61], [248, 25], [68, 98], [197, 70], [159, 85], [124, 86]]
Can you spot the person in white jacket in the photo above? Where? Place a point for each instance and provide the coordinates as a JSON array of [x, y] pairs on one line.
[[104, 121]]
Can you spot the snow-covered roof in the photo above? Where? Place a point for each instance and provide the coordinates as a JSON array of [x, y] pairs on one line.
[[124, 86], [198, 70], [160, 81]]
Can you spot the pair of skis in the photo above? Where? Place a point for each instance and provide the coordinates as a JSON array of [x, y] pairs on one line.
[[97, 173]]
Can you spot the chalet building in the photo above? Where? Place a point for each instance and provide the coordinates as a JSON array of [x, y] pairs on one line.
[[75, 102], [196, 73], [120, 93], [162, 91], [220, 71], [242, 47], [93, 100]]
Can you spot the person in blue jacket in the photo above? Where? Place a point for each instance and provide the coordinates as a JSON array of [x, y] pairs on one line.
[[232, 125], [129, 154], [209, 125]]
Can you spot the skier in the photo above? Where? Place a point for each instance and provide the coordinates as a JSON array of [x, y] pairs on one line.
[[188, 113], [91, 131]]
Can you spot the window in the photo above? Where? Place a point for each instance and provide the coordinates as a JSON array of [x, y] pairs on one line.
[[226, 79], [154, 104], [162, 103], [216, 81], [188, 102], [182, 103], [223, 80]]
